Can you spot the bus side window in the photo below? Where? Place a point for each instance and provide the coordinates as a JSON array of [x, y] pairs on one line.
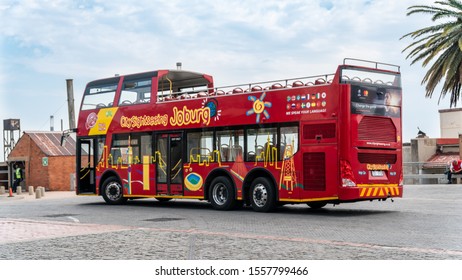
[[136, 92], [289, 139], [127, 97]]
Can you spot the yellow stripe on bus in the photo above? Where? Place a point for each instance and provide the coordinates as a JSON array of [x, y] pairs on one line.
[[379, 191], [146, 184]]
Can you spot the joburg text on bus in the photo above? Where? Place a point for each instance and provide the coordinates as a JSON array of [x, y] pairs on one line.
[[171, 134]]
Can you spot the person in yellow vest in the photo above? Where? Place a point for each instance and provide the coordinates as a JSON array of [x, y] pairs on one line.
[[17, 177]]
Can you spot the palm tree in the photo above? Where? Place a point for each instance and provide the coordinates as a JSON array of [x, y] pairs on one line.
[[441, 45]]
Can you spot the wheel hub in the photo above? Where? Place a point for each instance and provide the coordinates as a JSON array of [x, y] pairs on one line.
[[220, 194], [260, 195]]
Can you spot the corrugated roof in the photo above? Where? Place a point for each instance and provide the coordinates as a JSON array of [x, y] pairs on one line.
[[49, 142], [441, 160]]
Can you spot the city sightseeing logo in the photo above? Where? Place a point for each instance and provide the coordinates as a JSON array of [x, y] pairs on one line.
[[91, 120]]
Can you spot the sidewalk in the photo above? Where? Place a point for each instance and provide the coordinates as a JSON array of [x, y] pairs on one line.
[[48, 195]]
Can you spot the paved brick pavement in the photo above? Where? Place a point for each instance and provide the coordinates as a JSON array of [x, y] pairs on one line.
[[20, 230], [48, 239], [48, 195]]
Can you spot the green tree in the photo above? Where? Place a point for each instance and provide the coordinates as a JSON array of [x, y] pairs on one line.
[[440, 46]]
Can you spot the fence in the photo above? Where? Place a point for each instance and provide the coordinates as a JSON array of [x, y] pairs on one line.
[[417, 173]]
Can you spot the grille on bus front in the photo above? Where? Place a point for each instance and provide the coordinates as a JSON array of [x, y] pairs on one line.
[[376, 129], [377, 158]]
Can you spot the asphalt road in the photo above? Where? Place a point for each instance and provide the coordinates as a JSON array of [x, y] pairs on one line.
[[424, 225]]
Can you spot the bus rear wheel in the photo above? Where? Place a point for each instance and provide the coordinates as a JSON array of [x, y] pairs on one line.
[[113, 192], [222, 194], [263, 195]]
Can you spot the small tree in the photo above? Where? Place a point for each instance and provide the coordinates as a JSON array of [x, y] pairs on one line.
[[440, 45]]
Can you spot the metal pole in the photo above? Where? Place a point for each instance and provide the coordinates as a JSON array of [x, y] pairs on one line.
[[52, 123], [70, 103]]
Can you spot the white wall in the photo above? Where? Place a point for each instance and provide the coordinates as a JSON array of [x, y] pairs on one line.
[[450, 123]]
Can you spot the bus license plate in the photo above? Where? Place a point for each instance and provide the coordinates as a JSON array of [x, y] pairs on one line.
[[377, 173]]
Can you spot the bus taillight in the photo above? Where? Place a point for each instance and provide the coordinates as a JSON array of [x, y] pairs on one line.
[[346, 174]]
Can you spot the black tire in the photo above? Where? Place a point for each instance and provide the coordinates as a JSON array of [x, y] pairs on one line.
[[316, 204], [262, 195], [222, 194], [113, 192]]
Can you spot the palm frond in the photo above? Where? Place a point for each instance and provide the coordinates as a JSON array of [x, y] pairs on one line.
[[440, 47]]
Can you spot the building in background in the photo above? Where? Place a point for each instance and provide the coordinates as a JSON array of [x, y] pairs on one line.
[[44, 161], [426, 159]]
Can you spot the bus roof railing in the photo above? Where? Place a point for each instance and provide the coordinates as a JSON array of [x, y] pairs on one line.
[[370, 62], [284, 83]]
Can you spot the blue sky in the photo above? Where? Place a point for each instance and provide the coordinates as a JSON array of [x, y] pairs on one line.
[[43, 43]]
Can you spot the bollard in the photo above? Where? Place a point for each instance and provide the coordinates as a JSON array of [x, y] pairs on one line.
[[42, 190], [31, 190], [38, 193], [18, 190], [2, 189]]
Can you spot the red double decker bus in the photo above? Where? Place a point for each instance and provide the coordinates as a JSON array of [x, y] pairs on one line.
[[171, 134]]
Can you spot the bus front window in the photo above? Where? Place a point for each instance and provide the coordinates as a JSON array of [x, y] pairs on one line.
[[99, 96]]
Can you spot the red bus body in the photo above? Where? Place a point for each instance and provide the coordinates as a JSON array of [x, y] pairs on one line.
[[335, 139]]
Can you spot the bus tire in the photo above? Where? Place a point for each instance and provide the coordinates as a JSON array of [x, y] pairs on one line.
[[222, 194], [316, 204], [262, 195], [113, 192]]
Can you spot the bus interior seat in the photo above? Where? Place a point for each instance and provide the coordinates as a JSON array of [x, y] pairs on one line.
[[256, 88], [297, 84], [238, 90], [276, 86], [236, 151], [224, 151], [320, 81]]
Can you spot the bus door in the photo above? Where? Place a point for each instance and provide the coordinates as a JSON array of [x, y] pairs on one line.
[[170, 164], [86, 150]]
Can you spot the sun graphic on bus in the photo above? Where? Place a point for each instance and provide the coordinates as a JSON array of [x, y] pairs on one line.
[[259, 107]]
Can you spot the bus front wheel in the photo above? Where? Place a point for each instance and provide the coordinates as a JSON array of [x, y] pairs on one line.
[[263, 195], [113, 192], [222, 194]]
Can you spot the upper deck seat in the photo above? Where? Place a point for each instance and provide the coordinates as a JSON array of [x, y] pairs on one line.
[[276, 86], [202, 94], [257, 88], [297, 84], [185, 96], [320, 81], [237, 90]]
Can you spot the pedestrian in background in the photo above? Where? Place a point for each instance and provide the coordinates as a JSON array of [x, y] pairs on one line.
[[455, 167], [17, 177]]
